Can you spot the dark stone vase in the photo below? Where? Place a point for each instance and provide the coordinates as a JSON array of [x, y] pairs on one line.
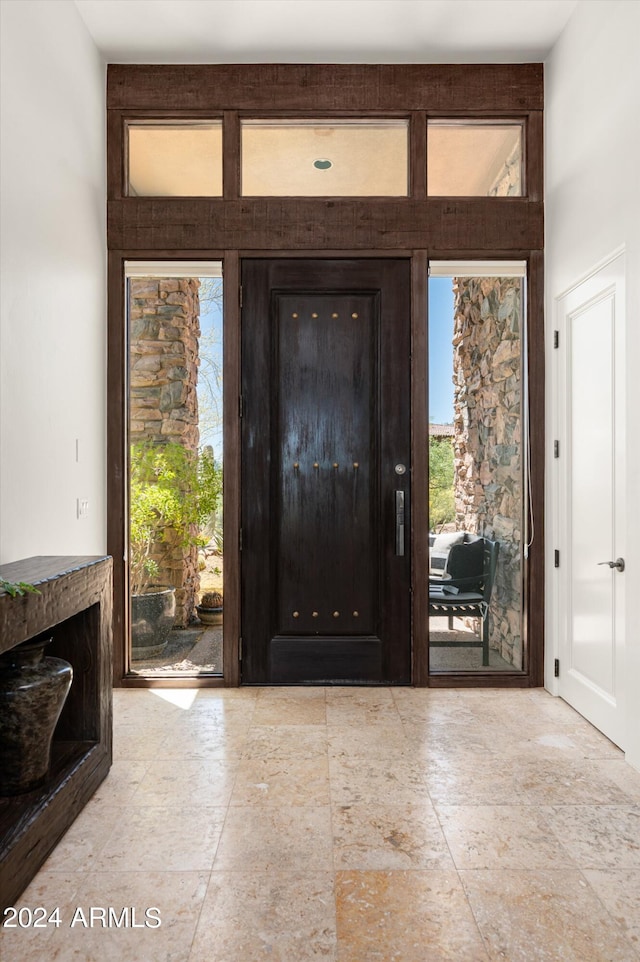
[[152, 616], [33, 689]]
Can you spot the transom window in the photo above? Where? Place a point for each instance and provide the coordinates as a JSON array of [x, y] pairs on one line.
[[315, 158], [175, 160], [474, 159]]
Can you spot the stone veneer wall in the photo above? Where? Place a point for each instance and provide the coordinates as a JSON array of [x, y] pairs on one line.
[[164, 317], [487, 442]]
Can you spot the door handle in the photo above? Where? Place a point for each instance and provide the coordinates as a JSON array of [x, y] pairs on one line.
[[400, 523], [618, 563]]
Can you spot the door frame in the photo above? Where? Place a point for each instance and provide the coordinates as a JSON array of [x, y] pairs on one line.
[[417, 226]]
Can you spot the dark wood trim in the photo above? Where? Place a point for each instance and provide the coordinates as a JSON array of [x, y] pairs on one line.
[[116, 155], [420, 467], [232, 479], [231, 155], [117, 472], [534, 157], [271, 223], [417, 156], [461, 679], [191, 681], [534, 588], [321, 88]]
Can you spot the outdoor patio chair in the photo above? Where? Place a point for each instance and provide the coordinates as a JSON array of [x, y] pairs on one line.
[[465, 589]]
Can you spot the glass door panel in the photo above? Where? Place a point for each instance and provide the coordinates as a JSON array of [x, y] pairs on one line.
[[477, 466], [176, 551]]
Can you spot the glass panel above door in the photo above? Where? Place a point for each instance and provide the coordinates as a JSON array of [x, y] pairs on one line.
[[474, 159], [175, 160], [325, 158]]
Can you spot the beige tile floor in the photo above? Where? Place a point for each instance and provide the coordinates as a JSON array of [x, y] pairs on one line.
[[348, 825]]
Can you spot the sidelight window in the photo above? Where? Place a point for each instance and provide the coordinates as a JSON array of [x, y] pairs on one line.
[[479, 522], [175, 537]]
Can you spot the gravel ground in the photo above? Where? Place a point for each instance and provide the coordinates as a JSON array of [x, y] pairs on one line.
[[190, 651]]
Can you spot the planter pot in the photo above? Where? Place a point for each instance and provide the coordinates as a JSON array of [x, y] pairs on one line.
[[33, 690], [209, 616], [152, 616]]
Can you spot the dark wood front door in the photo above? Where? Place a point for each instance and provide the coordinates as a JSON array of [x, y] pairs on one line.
[[325, 471]]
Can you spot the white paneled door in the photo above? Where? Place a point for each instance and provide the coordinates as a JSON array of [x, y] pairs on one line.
[[591, 489]]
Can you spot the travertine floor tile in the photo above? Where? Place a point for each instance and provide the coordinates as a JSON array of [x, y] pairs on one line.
[[598, 836], [543, 917], [285, 741], [625, 777], [28, 942], [122, 782], [229, 699], [80, 848], [287, 706], [465, 778], [138, 902], [193, 781], [274, 838], [197, 741], [390, 835], [178, 837], [561, 781], [444, 738], [139, 741], [501, 836], [367, 741], [405, 917], [362, 707], [282, 781], [134, 706], [281, 916], [376, 780], [620, 893]]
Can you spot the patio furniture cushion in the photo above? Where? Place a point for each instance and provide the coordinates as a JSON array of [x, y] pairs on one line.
[[439, 548]]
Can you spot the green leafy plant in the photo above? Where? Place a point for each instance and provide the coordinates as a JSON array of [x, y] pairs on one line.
[[173, 493], [441, 473], [18, 588]]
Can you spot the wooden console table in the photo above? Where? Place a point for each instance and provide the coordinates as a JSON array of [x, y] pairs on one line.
[[75, 604]]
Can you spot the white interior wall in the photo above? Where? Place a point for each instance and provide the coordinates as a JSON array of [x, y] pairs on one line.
[[592, 105], [53, 290]]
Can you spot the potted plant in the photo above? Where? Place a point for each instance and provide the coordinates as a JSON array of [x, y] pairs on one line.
[[210, 608], [173, 493]]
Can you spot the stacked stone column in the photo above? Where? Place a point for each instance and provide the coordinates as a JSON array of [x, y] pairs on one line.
[[164, 320], [488, 438]]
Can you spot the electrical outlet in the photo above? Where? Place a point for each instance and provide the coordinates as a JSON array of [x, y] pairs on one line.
[[83, 508]]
